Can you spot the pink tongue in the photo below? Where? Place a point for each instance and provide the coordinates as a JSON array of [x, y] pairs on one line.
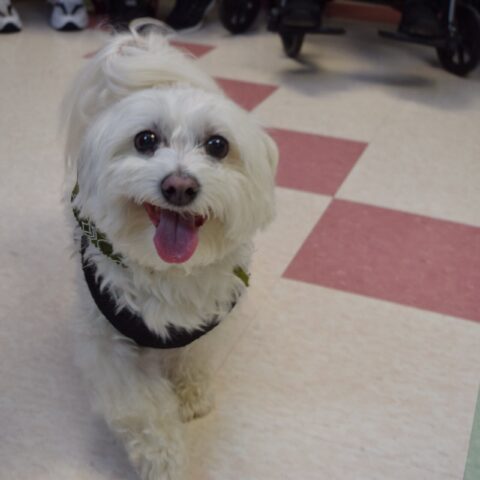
[[176, 237]]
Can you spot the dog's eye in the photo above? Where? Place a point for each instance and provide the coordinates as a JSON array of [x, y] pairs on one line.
[[146, 141], [217, 147]]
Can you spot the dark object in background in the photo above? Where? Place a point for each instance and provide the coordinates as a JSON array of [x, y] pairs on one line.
[[454, 32], [237, 16], [420, 17], [189, 14], [122, 12], [463, 56], [458, 41]]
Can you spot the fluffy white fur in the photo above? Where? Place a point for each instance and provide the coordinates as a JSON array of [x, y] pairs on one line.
[[136, 83]]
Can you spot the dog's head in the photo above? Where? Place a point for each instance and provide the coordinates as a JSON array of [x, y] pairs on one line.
[[168, 168]]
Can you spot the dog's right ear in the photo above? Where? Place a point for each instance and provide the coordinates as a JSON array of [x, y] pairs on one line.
[[88, 95], [96, 86]]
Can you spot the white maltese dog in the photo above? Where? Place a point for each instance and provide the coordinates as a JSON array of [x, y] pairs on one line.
[[170, 182]]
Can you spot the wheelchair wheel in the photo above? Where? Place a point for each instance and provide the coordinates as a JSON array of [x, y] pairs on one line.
[[237, 16], [292, 43], [463, 55]]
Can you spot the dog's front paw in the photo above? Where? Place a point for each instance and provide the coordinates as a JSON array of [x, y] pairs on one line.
[[155, 449], [195, 397]]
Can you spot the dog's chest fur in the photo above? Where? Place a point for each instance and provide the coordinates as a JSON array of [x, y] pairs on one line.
[[185, 299]]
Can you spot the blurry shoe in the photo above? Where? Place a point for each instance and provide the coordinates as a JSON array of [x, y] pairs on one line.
[[69, 15], [189, 14], [9, 20], [419, 18]]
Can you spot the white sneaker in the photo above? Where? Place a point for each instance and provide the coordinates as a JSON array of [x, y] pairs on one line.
[[9, 20], [68, 15]]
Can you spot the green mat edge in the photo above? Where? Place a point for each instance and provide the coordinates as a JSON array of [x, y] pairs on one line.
[[472, 467]]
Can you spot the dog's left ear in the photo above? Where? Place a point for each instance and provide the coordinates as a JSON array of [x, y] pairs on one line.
[[272, 152], [266, 179]]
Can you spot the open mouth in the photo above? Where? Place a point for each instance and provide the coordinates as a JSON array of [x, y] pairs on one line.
[[176, 234]]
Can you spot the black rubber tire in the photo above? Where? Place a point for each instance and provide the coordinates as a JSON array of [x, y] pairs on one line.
[[464, 54], [292, 43], [237, 16]]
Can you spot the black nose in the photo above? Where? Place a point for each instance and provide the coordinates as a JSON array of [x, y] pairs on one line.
[[179, 190]]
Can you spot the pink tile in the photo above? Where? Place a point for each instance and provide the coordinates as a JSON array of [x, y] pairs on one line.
[[196, 49], [314, 163], [248, 95], [390, 255]]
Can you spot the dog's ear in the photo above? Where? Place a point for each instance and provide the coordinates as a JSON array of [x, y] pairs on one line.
[[262, 176], [272, 152]]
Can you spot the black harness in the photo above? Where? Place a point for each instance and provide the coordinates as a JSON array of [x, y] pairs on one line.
[[129, 323]]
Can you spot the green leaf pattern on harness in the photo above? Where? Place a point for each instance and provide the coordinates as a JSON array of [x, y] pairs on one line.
[[95, 236], [242, 275]]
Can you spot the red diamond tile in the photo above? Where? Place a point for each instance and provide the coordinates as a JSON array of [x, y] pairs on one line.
[[400, 257], [246, 94], [195, 49], [314, 163]]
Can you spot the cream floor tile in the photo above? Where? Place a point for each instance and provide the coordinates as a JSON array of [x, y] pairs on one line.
[[425, 161], [37, 66], [318, 94], [246, 451], [258, 55], [254, 58], [341, 86], [356, 100], [297, 214], [338, 114], [349, 387]]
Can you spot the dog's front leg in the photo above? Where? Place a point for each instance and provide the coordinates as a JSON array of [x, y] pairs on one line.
[[191, 382], [194, 392], [140, 406]]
